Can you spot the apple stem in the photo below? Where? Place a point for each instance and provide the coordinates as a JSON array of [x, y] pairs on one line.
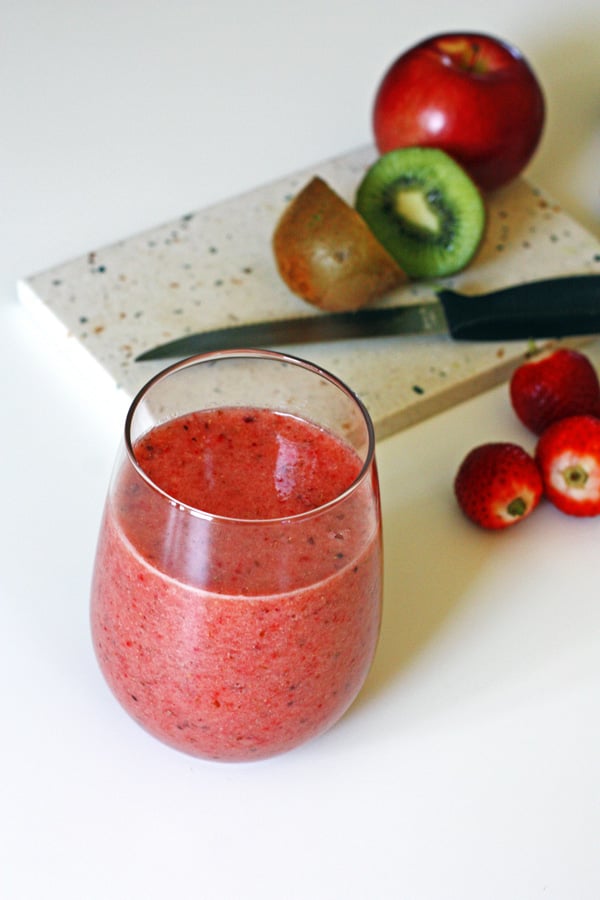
[[472, 60]]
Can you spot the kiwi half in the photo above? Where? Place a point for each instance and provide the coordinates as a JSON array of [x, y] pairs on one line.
[[327, 254], [424, 209]]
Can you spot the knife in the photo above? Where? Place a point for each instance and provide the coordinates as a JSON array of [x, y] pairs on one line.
[[550, 308]]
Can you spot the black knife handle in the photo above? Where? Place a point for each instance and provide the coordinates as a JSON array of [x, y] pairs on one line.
[[537, 309]]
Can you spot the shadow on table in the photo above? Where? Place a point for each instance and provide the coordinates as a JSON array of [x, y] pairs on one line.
[[429, 566]]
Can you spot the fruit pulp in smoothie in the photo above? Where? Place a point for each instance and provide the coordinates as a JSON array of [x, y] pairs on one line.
[[245, 630]]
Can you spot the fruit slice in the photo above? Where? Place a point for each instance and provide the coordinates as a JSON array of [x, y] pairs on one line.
[[326, 253], [424, 209]]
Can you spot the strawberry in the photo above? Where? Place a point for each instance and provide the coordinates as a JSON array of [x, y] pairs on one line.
[[568, 454], [497, 485], [559, 384]]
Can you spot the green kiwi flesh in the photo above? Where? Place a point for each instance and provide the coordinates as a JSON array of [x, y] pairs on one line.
[[424, 209]]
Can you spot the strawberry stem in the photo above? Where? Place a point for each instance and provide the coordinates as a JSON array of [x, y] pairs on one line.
[[575, 476], [517, 508]]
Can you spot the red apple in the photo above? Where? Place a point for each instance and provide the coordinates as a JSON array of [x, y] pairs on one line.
[[472, 95]]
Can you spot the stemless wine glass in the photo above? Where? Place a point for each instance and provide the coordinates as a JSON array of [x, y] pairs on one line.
[[236, 597]]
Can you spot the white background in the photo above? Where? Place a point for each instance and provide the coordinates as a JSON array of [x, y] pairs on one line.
[[470, 766]]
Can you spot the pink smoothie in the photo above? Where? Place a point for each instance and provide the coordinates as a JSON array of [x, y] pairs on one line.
[[236, 640]]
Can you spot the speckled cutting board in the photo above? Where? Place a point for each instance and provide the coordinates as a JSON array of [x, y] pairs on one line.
[[214, 267]]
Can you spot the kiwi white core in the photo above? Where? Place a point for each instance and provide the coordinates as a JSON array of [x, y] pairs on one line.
[[412, 206]]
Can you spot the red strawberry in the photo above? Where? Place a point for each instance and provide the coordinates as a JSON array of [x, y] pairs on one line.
[[497, 485], [559, 384], [568, 454]]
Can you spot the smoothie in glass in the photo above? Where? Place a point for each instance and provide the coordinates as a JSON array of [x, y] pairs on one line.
[[236, 598]]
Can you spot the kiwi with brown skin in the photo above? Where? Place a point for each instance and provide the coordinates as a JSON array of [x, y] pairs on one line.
[[326, 253]]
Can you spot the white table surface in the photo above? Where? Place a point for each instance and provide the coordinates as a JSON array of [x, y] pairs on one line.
[[470, 766]]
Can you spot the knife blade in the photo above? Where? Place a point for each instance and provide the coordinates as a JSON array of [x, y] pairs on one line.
[[548, 308]]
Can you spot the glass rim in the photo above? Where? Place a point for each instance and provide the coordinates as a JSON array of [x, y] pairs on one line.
[[244, 353]]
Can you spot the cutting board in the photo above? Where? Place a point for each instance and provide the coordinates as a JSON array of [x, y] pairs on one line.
[[214, 267]]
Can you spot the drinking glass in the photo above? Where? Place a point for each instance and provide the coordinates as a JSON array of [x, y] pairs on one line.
[[237, 587]]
